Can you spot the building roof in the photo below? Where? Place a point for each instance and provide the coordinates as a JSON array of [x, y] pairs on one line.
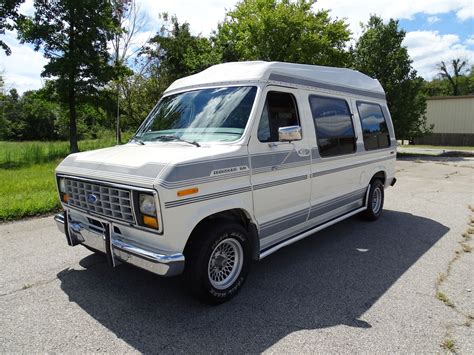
[[450, 97], [300, 74]]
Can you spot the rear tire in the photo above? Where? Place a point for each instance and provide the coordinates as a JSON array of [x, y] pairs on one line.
[[217, 261], [375, 201]]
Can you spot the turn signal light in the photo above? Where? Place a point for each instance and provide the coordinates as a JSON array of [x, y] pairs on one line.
[[64, 198], [190, 191], [150, 222]]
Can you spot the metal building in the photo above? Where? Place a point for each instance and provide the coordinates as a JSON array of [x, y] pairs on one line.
[[453, 120]]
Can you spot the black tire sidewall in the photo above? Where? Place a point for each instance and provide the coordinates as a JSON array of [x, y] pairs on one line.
[[376, 184], [215, 235]]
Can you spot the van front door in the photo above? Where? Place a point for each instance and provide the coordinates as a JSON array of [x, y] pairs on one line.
[[280, 170]]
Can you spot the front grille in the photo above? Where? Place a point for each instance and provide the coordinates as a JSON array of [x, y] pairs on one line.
[[101, 199]]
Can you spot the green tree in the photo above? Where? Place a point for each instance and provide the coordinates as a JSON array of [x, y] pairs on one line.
[[4, 129], [175, 52], [282, 30], [11, 112], [436, 87], [73, 35], [132, 22], [139, 94], [38, 116], [456, 75], [380, 54], [8, 17]]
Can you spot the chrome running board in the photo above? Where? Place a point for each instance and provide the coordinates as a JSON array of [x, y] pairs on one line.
[[303, 235]]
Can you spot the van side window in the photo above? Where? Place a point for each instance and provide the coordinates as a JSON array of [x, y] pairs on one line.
[[333, 124], [374, 126], [280, 110]]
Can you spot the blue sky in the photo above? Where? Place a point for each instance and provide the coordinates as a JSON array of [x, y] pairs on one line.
[[446, 23], [436, 30]]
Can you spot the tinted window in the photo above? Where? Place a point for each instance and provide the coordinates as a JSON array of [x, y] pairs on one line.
[[333, 123], [374, 126], [279, 111]]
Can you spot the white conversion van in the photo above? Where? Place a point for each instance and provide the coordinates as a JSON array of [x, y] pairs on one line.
[[232, 164]]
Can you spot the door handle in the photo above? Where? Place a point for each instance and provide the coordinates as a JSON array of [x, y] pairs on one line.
[[304, 152]]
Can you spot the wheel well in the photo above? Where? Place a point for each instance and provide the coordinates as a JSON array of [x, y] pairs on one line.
[[235, 215], [380, 176]]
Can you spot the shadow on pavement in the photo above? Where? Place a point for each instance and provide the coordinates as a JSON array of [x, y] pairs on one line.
[[328, 279]]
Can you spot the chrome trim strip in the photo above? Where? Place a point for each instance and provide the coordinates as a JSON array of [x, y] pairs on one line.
[[59, 219], [103, 182], [298, 237], [157, 263], [326, 86], [146, 254]]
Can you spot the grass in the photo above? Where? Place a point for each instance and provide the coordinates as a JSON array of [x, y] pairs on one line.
[[443, 298], [28, 191], [20, 154], [437, 147], [466, 248], [27, 185], [449, 344]]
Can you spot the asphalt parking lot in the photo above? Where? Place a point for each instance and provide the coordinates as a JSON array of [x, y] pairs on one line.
[[402, 284]]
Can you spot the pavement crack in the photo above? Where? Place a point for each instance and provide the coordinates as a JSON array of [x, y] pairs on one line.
[[29, 286], [448, 342]]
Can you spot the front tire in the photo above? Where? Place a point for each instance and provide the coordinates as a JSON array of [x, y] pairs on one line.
[[217, 261], [375, 201]]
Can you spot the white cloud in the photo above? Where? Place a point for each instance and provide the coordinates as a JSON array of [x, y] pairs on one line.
[[433, 19], [23, 67], [469, 41], [203, 16], [428, 48], [466, 13], [358, 11]]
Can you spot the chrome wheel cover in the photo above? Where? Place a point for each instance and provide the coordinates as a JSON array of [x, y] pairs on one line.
[[376, 200], [225, 263]]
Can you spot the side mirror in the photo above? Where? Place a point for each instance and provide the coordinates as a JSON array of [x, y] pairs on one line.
[[289, 133]]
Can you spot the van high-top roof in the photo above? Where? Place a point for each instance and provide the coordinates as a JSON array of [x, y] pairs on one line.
[[328, 78]]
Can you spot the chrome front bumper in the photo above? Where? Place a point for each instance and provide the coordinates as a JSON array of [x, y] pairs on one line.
[[117, 248]]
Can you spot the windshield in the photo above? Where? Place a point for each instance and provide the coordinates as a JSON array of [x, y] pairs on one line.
[[206, 115]]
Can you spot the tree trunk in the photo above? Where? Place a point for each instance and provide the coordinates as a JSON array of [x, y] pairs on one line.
[[73, 147], [117, 128]]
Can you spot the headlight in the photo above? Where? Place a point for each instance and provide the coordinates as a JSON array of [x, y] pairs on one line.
[[62, 190], [147, 204], [62, 185]]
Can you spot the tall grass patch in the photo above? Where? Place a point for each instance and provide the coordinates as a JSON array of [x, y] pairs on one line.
[[28, 191], [19, 154], [28, 185]]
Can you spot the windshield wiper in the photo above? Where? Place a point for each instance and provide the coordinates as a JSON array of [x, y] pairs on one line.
[[137, 140], [172, 137]]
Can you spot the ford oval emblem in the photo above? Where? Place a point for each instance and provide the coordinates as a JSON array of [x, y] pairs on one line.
[[91, 198]]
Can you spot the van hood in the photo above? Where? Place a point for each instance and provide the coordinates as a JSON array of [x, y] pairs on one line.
[[151, 164]]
